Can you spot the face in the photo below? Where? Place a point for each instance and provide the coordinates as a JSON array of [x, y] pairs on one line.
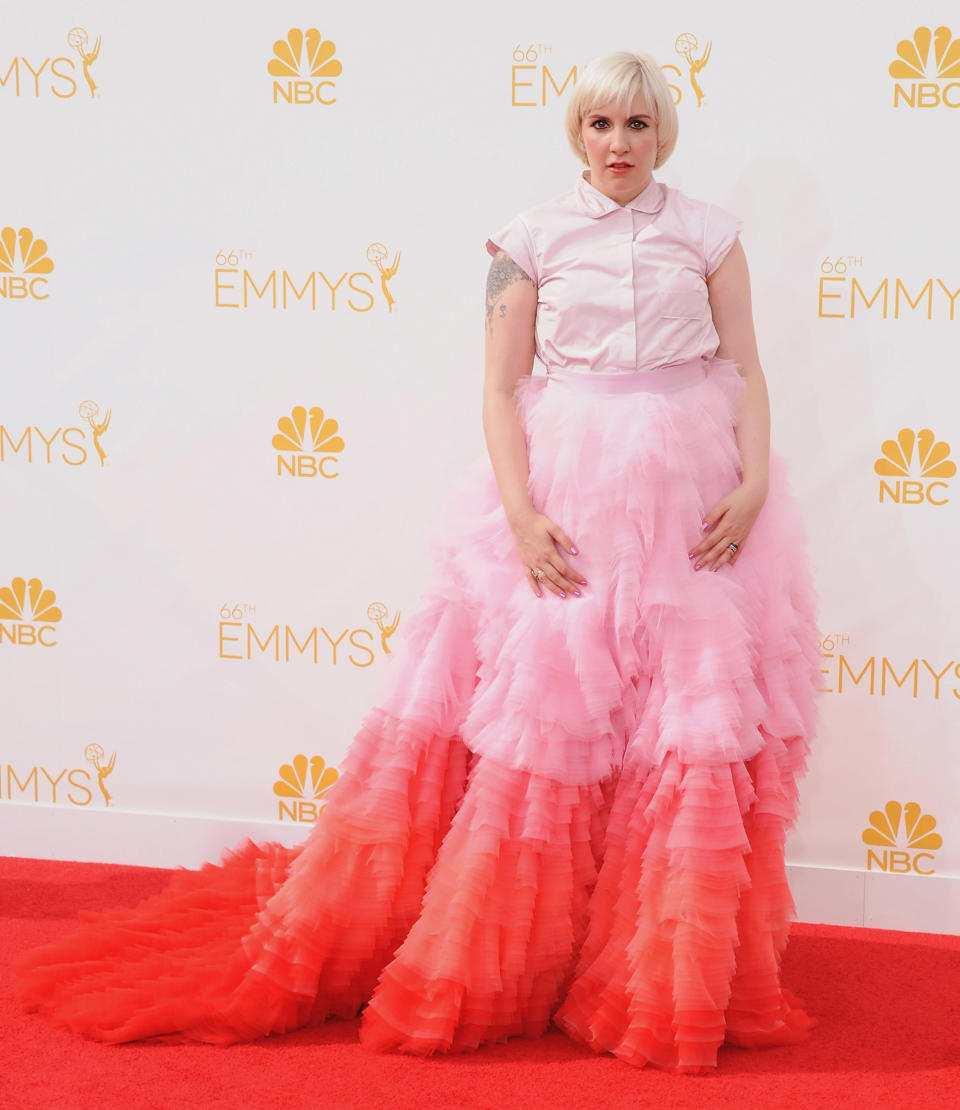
[[621, 147]]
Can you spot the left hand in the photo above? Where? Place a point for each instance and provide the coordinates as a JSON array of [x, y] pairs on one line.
[[729, 521]]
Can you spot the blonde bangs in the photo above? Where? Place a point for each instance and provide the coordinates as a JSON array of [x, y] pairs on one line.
[[617, 79]]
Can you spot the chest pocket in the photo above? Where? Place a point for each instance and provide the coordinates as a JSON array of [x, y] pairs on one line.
[[683, 296]]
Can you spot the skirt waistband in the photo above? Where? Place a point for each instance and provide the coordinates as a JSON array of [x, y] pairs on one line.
[[665, 379]]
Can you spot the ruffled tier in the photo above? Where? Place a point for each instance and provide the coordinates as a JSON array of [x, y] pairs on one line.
[[271, 939], [562, 685], [504, 914], [691, 915], [557, 807]]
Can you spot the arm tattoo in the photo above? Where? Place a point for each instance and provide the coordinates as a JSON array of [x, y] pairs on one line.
[[503, 272]]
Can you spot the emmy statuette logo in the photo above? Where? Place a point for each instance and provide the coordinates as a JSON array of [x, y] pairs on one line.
[[77, 38], [379, 613], [90, 411], [687, 46], [42, 784], [241, 283], [53, 75], [33, 444], [377, 253], [95, 754], [245, 636], [537, 80]]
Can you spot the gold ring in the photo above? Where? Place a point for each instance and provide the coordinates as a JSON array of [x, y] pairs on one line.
[[537, 573], [733, 546]]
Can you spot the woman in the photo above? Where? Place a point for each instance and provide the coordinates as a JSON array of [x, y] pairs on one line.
[[570, 801]]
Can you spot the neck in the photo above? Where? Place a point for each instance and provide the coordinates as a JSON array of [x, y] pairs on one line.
[[621, 198]]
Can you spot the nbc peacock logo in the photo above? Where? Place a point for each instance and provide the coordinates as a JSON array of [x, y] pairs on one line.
[[904, 834], [303, 783], [306, 64], [308, 444], [919, 464], [28, 614], [24, 265], [926, 70]]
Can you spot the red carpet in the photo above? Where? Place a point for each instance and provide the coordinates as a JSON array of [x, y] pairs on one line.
[[889, 1035]]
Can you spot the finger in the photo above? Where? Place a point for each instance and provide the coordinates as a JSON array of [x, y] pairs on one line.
[[713, 517], [547, 580], [702, 547], [707, 544], [721, 560], [723, 556], [710, 537], [561, 537], [570, 583], [553, 581], [532, 580], [706, 561], [574, 577]]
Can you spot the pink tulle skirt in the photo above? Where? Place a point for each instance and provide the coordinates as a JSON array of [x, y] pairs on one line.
[[559, 810]]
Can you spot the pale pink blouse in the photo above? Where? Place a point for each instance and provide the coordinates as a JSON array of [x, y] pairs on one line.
[[620, 288]]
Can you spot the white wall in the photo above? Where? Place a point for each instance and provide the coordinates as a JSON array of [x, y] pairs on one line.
[[162, 558]]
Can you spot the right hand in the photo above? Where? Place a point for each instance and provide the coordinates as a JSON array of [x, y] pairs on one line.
[[539, 542]]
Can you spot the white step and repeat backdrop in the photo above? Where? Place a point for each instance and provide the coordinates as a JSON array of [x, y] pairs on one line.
[[241, 298]]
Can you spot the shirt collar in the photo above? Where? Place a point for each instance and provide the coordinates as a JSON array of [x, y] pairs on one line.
[[597, 204]]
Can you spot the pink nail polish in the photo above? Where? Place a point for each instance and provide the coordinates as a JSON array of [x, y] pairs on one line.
[[576, 593], [706, 525], [583, 582], [573, 550], [562, 594], [698, 566]]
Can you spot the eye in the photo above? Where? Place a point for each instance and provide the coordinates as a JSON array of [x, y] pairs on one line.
[[639, 124], [599, 124]]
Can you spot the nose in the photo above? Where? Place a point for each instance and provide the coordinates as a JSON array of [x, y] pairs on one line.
[[619, 140]]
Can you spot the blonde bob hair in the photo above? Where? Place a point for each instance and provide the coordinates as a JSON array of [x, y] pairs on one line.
[[618, 78]]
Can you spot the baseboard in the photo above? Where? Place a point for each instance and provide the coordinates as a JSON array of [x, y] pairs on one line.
[[823, 894], [139, 839], [844, 896]]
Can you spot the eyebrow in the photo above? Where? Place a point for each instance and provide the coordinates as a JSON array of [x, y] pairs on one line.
[[600, 115]]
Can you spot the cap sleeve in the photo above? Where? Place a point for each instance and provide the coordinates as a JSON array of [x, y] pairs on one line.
[[515, 239], [719, 234]]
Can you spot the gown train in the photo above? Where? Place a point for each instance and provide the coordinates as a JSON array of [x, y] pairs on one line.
[[569, 811]]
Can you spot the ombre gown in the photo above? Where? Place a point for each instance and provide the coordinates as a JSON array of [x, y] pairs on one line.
[[558, 810]]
